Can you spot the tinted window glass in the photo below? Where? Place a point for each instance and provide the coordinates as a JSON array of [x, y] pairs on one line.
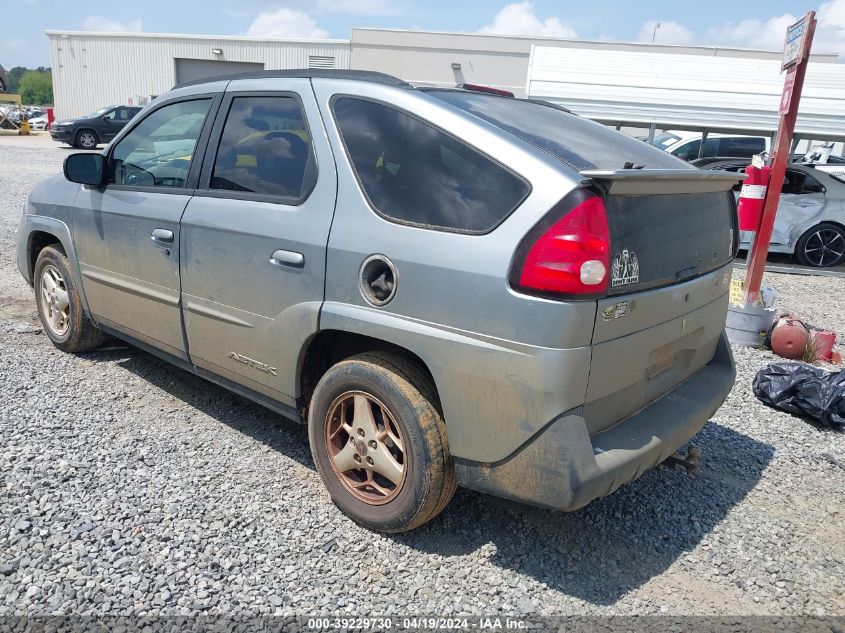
[[793, 181], [413, 173], [265, 147], [158, 152], [580, 143], [690, 150], [811, 185], [741, 147]]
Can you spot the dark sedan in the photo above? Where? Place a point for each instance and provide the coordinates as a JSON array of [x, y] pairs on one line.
[[98, 127]]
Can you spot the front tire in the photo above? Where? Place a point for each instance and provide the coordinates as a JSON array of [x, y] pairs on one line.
[[86, 139], [59, 306], [380, 443], [822, 246]]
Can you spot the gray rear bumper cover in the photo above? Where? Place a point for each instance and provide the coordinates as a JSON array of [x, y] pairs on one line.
[[564, 468]]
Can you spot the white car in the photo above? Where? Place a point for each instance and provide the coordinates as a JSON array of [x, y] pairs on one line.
[[687, 145], [810, 223], [38, 123]]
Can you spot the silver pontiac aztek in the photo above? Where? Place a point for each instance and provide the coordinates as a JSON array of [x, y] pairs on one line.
[[450, 287]]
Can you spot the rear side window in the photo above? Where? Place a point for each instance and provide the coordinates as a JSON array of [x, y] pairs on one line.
[[740, 147], [690, 150], [580, 143], [265, 148], [413, 173]]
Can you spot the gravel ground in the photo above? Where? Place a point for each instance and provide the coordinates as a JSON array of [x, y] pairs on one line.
[[131, 487]]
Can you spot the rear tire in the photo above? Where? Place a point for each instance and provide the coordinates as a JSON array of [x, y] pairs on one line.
[[822, 246], [401, 401], [59, 305]]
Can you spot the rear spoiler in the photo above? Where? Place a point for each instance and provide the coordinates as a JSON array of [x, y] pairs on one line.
[[634, 182]]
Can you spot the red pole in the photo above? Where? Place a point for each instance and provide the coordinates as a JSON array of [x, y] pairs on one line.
[[792, 86]]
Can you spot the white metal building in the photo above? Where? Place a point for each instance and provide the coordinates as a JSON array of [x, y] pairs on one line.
[[685, 91], [92, 70], [501, 61]]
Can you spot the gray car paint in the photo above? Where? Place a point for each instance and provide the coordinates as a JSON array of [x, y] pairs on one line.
[[507, 366]]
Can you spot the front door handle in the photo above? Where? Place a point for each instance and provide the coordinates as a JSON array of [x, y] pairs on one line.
[[162, 236], [289, 259]]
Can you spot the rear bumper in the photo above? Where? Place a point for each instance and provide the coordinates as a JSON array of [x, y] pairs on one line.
[[563, 468]]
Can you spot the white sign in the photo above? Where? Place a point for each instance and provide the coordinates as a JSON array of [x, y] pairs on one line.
[[794, 43]]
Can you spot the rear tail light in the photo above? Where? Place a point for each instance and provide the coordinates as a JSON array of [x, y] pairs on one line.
[[568, 253]]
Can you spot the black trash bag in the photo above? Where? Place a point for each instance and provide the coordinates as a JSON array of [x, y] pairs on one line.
[[805, 390]]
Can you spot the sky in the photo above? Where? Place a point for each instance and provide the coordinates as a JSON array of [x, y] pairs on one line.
[[747, 24]]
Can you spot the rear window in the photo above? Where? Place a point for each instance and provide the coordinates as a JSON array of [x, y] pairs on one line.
[[413, 173], [580, 143]]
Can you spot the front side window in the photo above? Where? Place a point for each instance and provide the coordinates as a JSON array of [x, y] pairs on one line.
[[265, 148], [414, 173], [158, 152]]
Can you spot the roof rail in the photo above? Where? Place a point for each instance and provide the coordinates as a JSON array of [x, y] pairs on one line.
[[307, 73], [487, 89]]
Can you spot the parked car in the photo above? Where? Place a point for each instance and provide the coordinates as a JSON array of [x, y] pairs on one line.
[[39, 122], [687, 145], [449, 287], [4, 80], [96, 128], [810, 222]]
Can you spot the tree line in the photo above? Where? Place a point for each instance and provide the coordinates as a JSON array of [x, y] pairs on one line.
[[35, 85]]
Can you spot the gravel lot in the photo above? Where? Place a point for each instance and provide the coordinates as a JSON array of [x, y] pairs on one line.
[[130, 487]]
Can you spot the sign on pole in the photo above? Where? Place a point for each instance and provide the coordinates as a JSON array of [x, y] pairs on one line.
[[793, 47]]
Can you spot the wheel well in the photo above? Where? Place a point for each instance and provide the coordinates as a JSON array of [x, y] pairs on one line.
[[332, 346], [87, 129], [37, 241]]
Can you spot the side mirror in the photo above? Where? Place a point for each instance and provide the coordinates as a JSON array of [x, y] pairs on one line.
[[86, 169]]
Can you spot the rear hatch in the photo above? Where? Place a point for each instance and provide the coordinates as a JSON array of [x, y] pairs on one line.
[[673, 235]]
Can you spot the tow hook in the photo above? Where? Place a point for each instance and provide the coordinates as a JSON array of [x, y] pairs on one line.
[[690, 462]]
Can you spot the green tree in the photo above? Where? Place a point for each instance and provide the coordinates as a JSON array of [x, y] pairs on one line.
[[36, 88], [15, 75]]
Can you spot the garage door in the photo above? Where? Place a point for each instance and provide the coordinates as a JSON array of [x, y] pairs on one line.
[[196, 69]]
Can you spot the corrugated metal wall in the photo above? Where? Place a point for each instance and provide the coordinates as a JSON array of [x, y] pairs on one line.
[[686, 91], [94, 70]]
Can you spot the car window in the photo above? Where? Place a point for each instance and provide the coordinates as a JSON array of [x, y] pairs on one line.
[[689, 151], [111, 115], [580, 143], [811, 185], [265, 148], [741, 147], [793, 181], [664, 140], [413, 173], [158, 151]]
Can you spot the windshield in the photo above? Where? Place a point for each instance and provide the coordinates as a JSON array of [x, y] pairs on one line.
[[665, 140], [99, 112], [580, 143]]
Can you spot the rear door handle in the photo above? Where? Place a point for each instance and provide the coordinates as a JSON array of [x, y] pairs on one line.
[[289, 259], [162, 236]]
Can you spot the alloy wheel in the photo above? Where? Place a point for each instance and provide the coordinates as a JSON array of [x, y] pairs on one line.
[[365, 447], [87, 140], [824, 247], [55, 303]]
